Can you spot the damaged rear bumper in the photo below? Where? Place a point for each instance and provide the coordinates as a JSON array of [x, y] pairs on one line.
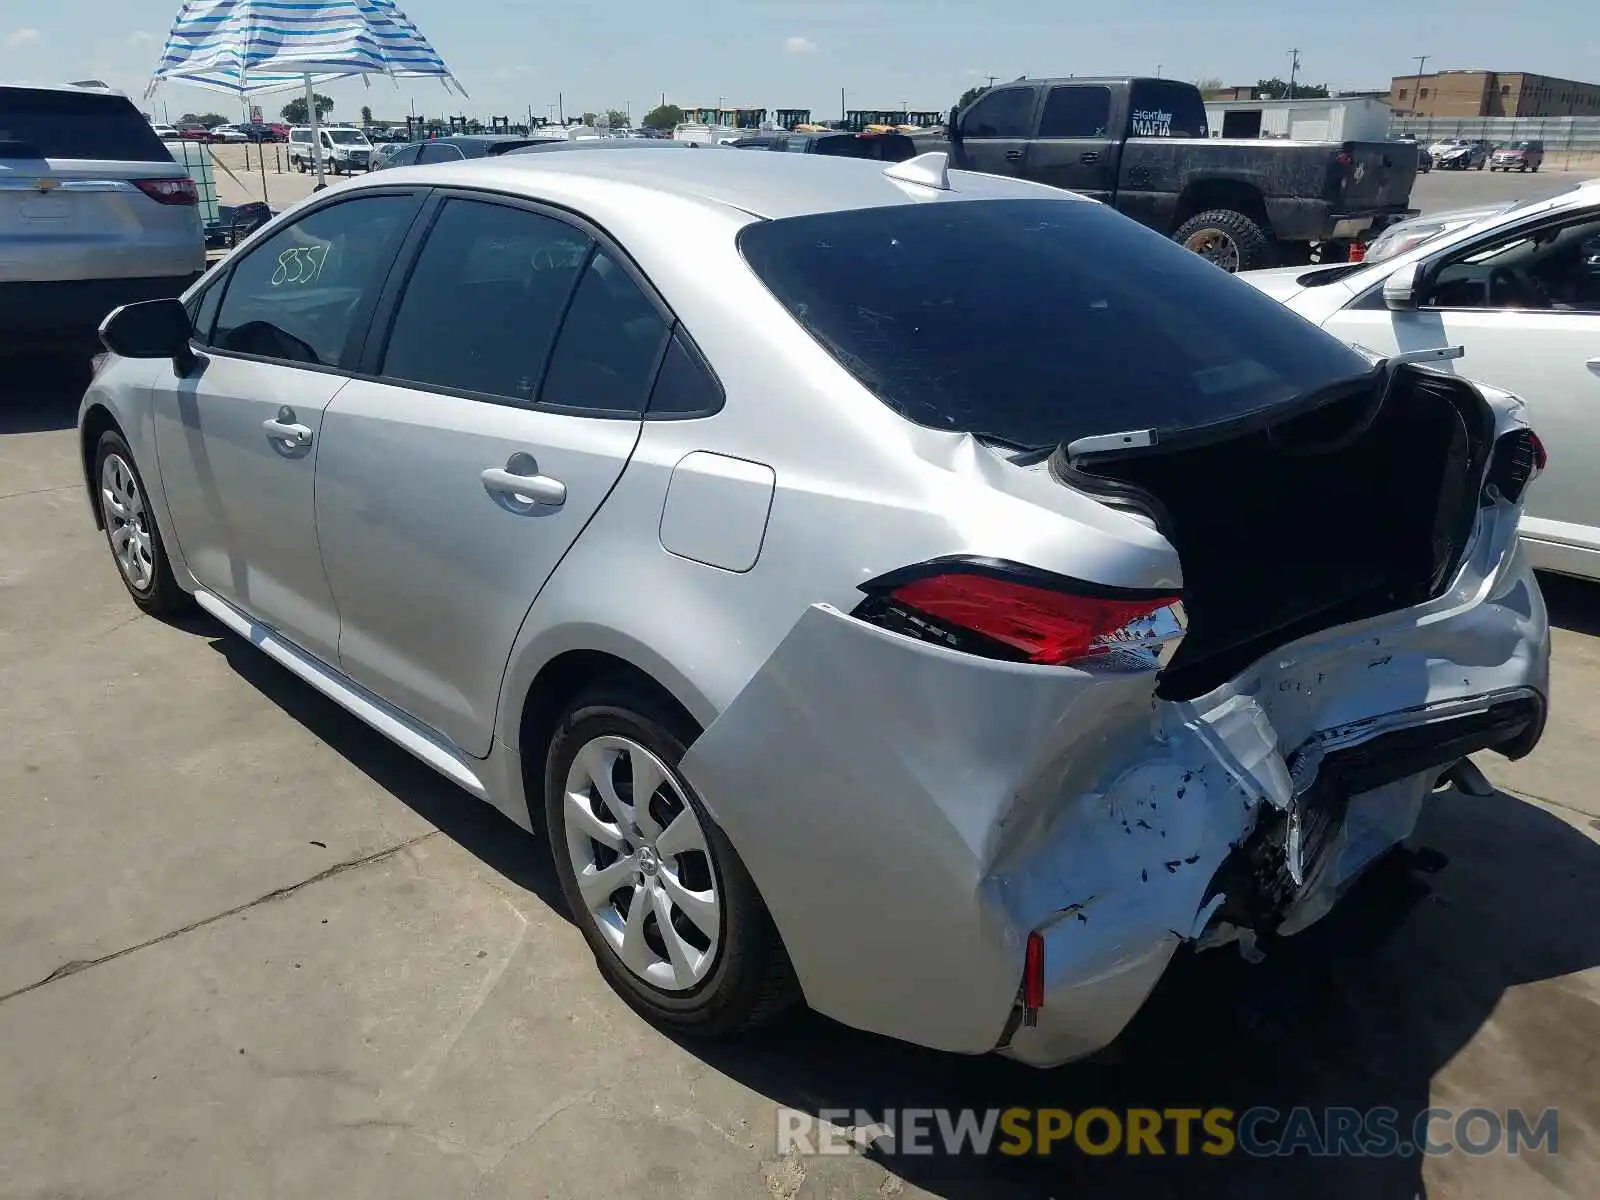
[[911, 814]]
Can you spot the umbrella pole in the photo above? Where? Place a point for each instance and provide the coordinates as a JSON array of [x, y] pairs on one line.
[[316, 132]]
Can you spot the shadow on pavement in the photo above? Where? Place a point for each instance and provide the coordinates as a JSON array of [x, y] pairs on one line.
[[474, 825], [41, 393], [1360, 1011], [1573, 603]]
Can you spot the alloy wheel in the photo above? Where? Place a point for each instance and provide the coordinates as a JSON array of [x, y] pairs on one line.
[[1215, 247], [642, 863], [127, 523]]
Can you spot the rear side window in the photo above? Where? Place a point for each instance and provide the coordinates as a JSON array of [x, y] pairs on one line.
[[433, 152], [685, 386], [610, 344], [1000, 113], [485, 299], [1076, 112], [81, 125], [1166, 108], [1037, 321]]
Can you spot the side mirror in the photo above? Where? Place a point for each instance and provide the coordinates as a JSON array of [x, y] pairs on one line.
[[1401, 289], [150, 329]]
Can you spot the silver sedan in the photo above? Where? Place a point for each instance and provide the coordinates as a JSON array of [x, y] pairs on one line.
[[930, 595]]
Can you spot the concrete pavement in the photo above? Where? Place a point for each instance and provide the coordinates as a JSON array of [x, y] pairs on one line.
[[251, 950]]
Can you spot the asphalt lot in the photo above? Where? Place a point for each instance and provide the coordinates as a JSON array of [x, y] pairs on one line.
[[251, 949], [1440, 190]]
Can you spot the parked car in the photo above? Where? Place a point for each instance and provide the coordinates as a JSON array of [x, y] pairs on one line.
[[344, 150], [880, 147], [191, 131], [1462, 155], [1143, 147], [1424, 158], [166, 133], [524, 461], [232, 134], [454, 149], [383, 152], [1519, 293], [1526, 155], [94, 213]]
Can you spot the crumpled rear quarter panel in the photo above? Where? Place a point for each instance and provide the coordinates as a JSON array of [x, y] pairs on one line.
[[910, 813]]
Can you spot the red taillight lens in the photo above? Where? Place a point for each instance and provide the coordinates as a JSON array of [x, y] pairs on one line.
[[1005, 610], [1540, 455], [169, 191], [1344, 159], [1358, 252]]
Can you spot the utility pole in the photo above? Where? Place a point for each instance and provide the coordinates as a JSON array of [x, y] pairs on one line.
[[1294, 68], [561, 107], [841, 106], [1416, 95], [1158, 70]]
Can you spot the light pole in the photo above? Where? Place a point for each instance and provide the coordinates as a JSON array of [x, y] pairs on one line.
[[1294, 67], [1416, 95]]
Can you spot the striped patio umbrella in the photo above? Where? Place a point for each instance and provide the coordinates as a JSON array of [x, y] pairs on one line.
[[256, 47]]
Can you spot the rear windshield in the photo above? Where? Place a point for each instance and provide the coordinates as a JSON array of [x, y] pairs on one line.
[[1037, 321], [81, 125], [1163, 108]]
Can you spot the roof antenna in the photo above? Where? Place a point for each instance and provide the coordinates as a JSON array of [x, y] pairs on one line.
[[926, 170]]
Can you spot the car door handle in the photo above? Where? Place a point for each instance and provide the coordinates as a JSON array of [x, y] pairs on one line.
[[1014, 155], [1089, 156], [528, 491], [289, 432]]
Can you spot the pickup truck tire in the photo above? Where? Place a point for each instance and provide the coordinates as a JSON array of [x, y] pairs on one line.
[[1227, 238]]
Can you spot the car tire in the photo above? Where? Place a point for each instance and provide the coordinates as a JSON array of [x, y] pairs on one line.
[[748, 979], [139, 555], [1252, 247]]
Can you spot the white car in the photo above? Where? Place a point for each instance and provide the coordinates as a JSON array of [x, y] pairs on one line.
[[167, 133], [229, 133], [1518, 293]]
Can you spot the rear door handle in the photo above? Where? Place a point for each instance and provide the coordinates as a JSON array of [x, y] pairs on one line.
[[1014, 155], [284, 428], [1089, 156], [524, 491]]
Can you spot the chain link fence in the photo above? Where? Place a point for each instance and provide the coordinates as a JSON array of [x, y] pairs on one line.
[[1560, 135]]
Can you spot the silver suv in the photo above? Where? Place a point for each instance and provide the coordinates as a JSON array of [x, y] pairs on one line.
[[94, 214]]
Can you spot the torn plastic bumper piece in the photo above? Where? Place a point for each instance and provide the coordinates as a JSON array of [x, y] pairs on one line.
[[911, 814]]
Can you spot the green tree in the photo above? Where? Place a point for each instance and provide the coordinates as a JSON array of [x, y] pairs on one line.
[[296, 113], [588, 118], [1277, 89], [618, 119], [667, 116], [1211, 83], [366, 114], [971, 94]]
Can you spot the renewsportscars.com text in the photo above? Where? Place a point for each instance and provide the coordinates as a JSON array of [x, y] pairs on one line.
[[1256, 1132]]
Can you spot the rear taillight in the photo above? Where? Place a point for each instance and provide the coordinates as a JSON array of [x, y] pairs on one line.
[[169, 191], [1002, 610], [1518, 458], [1344, 160], [1358, 252]]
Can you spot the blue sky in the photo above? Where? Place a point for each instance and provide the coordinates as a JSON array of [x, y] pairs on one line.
[[512, 54]]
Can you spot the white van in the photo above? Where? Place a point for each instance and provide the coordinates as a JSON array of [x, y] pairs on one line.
[[345, 149]]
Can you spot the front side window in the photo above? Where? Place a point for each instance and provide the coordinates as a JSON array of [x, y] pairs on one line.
[[485, 299], [1555, 268], [1000, 113], [295, 296], [1038, 321], [1076, 112]]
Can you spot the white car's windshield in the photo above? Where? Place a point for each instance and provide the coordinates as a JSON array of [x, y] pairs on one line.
[[347, 137]]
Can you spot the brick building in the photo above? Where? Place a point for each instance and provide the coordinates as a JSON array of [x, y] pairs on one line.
[[1492, 94]]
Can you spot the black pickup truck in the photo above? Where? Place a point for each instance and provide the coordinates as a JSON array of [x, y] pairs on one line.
[[1142, 146]]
